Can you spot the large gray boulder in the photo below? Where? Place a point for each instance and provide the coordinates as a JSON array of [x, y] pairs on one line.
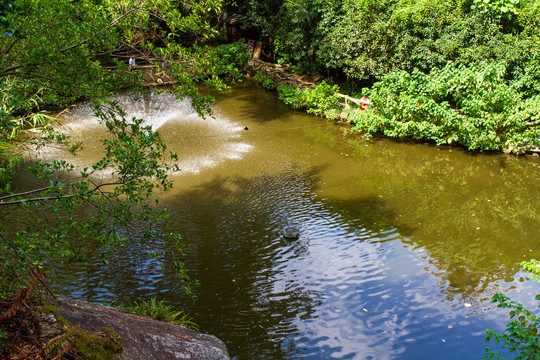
[[143, 338]]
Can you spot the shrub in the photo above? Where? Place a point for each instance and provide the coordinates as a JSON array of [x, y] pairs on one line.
[[264, 80], [321, 101], [475, 107], [522, 333]]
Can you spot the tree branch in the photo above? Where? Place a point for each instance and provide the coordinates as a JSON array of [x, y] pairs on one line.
[[39, 199], [47, 198], [75, 45], [10, 47], [10, 69], [24, 193], [122, 17], [359, 102]]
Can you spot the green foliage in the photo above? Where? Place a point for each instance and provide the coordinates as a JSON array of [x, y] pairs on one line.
[[159, 310], [235, 53], [3, 339], [160, 21], [521, 334], [213, 66], [298, 38], [50, 61], [365, 38], [498, 9], [533, 267], [475, 107], [264, 15], [264, 80], [133, 155], [47, 61], [53, 51], [375, 38], [321, 101], [175, 252]]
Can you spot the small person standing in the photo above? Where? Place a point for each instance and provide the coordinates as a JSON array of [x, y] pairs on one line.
[[365, 102], [131, 61]]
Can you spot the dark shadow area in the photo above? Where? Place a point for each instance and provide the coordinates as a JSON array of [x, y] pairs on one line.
[[249, 97]]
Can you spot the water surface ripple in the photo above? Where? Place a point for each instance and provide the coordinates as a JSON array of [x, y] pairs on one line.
[[401, 245]]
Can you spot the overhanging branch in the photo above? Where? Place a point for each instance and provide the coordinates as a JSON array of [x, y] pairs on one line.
[[75, 45], [38, 199], [48, 198]]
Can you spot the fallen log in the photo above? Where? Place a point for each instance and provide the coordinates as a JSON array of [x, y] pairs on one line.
[[358, 102]]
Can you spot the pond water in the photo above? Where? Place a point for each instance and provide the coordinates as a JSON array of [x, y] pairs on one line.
[[401, 245]]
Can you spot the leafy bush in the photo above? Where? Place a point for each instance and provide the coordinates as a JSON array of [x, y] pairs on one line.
[[321, 101], [533, 267], [289, 95], [134, 153], [475, 107], [522, 333], [234, 53], [264, 80]]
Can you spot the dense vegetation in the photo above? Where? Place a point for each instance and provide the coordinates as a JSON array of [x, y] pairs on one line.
[[55, 53], [462, 72]]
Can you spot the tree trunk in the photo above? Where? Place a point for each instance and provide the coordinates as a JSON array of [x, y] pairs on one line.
[[257, 50]]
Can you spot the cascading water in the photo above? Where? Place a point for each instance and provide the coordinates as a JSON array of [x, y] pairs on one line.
[[175, 119]]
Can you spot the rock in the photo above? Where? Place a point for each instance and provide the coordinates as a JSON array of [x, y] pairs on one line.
[[290, 232], [143, 338]]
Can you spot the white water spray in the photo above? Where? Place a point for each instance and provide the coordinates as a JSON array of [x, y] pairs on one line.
[[201, 143]]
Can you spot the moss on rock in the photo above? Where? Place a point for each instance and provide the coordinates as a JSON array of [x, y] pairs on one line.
[[104, 345]]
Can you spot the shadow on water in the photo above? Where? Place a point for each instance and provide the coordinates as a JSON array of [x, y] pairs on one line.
[[233, 227], [475, 216], [394, 240], [258, 288], [248, 105]]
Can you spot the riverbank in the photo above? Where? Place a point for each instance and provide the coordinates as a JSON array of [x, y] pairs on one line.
[[397, 115], [267, 74], [273, 76]]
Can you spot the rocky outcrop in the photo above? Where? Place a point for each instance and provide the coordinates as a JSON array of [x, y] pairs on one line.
[[143, 338]]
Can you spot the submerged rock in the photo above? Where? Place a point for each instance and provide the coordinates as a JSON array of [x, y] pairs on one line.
[[143, 338], [291, 232]]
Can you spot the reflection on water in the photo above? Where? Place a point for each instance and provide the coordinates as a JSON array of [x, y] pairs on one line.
[[401, 245]]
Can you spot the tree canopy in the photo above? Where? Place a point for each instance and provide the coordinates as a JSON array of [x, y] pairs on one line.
[[57, 52], [462, 72]]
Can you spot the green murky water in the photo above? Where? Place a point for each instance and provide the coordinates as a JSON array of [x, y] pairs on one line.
[[401, 247]]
